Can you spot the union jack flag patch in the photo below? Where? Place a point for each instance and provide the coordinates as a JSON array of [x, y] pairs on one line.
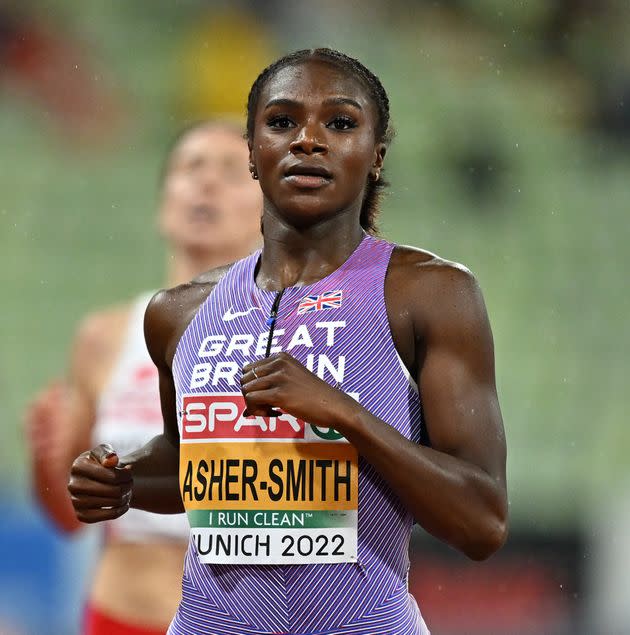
[[326, 300]]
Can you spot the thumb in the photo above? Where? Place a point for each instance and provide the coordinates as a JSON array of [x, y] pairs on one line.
[[105, 455]]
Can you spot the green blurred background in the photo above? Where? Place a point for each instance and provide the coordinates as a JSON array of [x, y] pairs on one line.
[[512, 156]]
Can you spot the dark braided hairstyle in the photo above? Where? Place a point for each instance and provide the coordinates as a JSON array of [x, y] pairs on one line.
[[354, 68]]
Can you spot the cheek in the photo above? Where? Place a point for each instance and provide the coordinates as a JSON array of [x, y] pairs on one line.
[[357, 155], [269, 149], [177, 191]]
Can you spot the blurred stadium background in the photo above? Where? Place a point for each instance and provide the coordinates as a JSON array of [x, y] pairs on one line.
[[512, 156]]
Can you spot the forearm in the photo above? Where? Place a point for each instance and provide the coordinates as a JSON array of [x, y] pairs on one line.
[[50, 488], [155, 471], [452, 499]]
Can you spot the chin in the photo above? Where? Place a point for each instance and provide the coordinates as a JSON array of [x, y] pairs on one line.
[[200, 243], [305, 215]]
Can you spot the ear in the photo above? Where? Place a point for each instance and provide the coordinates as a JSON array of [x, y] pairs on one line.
[[379, 156], [252, 163], [251, 157]]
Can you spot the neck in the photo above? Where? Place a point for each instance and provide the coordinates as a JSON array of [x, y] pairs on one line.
[[182, 266], [301, 256]]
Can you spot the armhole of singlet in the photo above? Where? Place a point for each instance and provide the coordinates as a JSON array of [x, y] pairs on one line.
[[423, 435], [405, 371]]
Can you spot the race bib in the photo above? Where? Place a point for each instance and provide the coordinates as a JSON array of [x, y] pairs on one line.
[[265, 490]]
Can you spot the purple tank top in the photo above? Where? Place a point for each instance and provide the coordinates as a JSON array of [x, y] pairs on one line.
[[291, 532]]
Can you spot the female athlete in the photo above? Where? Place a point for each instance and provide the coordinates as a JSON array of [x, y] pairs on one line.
[[319, 396]]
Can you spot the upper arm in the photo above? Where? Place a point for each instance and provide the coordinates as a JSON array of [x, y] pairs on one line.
[[158, 333], [456, 375], [88, 369], [166, 318]]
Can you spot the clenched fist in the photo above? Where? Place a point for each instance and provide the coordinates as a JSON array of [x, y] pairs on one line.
[[100, 489]]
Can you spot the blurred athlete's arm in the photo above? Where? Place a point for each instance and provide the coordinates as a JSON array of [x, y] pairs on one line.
[[60, 419], [48, 468]]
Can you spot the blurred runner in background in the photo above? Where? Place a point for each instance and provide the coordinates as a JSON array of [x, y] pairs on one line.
[[209, 216]]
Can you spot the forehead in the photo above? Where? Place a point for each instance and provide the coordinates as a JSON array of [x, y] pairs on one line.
[[314, 80], [215, 140]]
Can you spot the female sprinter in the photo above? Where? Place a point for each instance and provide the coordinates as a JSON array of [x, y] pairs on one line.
[[319, 396]]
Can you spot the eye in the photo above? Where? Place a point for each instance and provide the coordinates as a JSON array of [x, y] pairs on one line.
[[193, 165], [342, 122], [280, 122]]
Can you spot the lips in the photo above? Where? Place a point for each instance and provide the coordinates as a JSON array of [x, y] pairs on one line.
[[304, 169], [203, 213], [305, 176]]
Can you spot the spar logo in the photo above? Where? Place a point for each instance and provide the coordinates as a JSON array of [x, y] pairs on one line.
[[220, 416]]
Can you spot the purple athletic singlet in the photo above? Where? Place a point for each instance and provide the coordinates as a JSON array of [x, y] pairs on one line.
[[291, 532]]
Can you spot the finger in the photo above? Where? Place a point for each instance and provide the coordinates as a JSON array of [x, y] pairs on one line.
[[253, 373], [84, 487], [261, 403], [251, 382], [260, 366], [262, 411], [99, 502], [247, 367], [90, 470], [248, 376], [98, 515], [105, 455]]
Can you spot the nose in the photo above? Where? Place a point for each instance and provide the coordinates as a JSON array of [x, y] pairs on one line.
[[308, 141], [209, 177]]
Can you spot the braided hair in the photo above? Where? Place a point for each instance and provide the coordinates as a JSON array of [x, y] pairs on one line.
[[354, 68]]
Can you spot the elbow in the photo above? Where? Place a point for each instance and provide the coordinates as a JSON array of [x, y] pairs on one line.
[[70, 525], [65, 523], [489, 539]]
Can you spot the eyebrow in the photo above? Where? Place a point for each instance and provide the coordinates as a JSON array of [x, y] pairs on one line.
[[331, 101], [340, 101]]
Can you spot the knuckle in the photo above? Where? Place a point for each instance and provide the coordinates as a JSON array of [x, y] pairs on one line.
[[79, 460]]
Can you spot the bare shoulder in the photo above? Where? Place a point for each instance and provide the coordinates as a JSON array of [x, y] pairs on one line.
[[100, 331], [433, 289], [424, 267], [170, 311]]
